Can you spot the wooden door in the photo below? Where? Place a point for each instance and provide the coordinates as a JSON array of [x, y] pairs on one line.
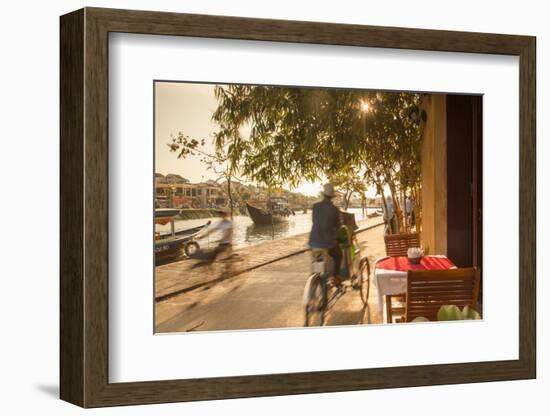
[[464, 180]]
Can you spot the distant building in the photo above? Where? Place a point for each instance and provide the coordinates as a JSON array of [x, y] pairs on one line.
[[179, 192], [175, 178]]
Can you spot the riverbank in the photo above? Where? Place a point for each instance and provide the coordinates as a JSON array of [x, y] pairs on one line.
[[197, 213], [179, 277]]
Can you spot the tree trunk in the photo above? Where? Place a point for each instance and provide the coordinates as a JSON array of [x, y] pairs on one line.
[[396, 208], [381, 192], [347, 197], [270, 208], [406, 225], [229, 195], [417, 206]]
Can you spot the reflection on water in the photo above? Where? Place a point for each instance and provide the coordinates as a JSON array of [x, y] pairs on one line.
[[246, 233], [256, 233]]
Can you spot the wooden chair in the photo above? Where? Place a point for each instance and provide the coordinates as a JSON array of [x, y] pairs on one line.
[[397, 245], [428, 290]]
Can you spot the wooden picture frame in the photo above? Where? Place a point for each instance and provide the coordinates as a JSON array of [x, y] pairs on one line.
[[84, 207]]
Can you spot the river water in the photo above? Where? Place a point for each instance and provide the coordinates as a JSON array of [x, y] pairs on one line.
[[246, 233]]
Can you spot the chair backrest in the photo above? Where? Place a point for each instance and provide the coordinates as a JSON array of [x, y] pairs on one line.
[[428, 290], [398, 244]]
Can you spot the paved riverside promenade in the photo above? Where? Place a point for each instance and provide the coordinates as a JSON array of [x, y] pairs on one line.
[[268, 295], [180, 276]]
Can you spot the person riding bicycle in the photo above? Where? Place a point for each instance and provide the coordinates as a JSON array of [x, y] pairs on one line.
[[225, 226], [326, 223]]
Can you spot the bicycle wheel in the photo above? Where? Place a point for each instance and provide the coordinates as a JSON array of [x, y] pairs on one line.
[[313, 301], [364, 273], [191, 248]]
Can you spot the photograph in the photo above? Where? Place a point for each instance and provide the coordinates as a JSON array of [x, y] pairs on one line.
[[241, 193], [297, 206]]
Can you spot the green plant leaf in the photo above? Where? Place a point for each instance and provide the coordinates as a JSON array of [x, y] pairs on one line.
[[420, 319], [469, 313], [449, 313]]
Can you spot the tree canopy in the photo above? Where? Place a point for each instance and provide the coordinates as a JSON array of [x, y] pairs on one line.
[[283, 135]]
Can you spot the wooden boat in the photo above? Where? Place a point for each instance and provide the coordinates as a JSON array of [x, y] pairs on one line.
[[279, 212], [170, 245], [184, 232]]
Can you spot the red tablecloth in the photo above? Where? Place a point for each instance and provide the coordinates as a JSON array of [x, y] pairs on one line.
[[402, 263]]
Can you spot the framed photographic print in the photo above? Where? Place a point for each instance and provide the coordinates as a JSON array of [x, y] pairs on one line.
[[257, 207]]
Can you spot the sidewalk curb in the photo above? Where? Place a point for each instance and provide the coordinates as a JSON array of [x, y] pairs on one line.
[[256, 266]]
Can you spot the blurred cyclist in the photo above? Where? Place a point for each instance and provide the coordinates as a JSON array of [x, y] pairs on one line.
[[225, 226], [326, 222]]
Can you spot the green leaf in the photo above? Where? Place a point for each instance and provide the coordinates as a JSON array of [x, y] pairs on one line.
[[449, 313], [420, 319], [470, 313]]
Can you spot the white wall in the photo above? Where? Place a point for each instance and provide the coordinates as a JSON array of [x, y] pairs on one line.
[[29, 150]]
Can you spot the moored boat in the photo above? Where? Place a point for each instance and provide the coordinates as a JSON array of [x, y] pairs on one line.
[[170, 245], [184, 232], [279, 212]]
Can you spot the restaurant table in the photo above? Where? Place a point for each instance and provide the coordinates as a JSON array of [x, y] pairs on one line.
[[390, 273]]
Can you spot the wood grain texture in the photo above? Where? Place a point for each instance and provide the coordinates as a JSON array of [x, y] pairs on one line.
[[96, 208], [71, 219], [428, 290], [84, 207], [528, 207], [399, 244], [224, 27]]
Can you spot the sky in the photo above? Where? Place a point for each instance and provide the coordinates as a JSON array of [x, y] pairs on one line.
[[188, 108]]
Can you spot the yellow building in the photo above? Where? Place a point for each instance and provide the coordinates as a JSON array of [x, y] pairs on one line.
[[452, 177], [198, 195]]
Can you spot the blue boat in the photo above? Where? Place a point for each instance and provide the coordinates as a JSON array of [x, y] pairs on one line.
[[172, 245]]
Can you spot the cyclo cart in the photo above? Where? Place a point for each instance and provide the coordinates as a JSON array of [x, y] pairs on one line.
[[320, 293]]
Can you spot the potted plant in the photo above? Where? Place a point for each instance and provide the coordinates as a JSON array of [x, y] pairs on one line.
[[452, 313]]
